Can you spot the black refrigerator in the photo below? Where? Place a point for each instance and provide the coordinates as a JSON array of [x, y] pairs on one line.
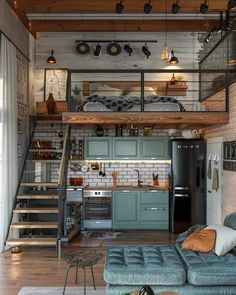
[[188, 189]]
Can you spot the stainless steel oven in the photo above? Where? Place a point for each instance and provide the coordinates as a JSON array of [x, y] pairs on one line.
[[97, 209]]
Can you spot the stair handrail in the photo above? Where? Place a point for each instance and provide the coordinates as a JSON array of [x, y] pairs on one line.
[[62, 183], [32, 125]]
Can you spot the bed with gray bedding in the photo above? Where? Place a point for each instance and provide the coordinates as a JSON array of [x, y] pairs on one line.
[[97, 103]]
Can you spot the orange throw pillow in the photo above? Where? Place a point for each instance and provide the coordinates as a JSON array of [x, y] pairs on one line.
[[200, 241]]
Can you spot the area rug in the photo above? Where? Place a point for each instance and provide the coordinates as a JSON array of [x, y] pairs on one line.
[[96, 238], [59, 290]]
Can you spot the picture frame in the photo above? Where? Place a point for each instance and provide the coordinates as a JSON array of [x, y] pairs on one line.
[[19, 126], [55, 82], [19, 150]]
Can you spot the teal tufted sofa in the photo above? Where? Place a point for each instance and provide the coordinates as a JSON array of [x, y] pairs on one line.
[[170, 268]]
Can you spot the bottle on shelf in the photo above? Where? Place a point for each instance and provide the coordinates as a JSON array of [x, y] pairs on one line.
[[173, 80]]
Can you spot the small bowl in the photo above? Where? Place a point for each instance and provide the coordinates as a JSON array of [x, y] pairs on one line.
[[76, 181]]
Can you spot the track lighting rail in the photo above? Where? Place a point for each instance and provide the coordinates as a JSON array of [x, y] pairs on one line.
[[117, 41]]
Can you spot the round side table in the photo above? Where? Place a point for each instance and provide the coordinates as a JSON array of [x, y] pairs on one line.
[[81, 259]]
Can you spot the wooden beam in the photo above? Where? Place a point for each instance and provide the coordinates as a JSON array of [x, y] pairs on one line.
[[190, 118], [105, 6], [122, 25]]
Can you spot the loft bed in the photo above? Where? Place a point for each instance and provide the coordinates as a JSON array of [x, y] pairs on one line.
[[139, 97]]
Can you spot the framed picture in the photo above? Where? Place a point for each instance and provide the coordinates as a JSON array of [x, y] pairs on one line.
[[19, 126], [19, 150], [55, 81]]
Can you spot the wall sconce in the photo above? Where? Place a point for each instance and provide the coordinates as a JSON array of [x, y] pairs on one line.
[[128, 49], [173, 60], [51, 59], [119, 7], [146, 51], [175, 7], [97, 50], [147, 7], [204, 7]]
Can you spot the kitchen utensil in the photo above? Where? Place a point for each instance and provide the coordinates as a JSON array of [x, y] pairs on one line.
[[94, 166], [76, 181], [99, 131], [84, 168], [114, 176], [104, 172], [100, 170]]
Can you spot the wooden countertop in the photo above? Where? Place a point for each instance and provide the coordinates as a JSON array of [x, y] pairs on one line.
[[134, 188]]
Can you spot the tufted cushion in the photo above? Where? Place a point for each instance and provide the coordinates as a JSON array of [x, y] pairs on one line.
[[204, 269], [158, 265]]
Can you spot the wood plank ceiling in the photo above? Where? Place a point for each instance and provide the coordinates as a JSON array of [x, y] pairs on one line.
[[37, 15]]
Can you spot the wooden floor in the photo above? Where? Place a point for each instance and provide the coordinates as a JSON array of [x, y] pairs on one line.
[[41, 267]]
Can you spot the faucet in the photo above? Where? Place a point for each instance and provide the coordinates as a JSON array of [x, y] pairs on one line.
[[139, 181]]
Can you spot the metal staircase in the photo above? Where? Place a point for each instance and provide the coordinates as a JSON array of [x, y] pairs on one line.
[[38, 210]]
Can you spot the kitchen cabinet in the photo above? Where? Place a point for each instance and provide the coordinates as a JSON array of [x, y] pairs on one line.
[[141, 209], [124, 212], [98, 148], [126, 148], [153, 210], [154, 148]]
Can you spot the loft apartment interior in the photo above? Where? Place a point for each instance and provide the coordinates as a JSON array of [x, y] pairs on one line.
[[118, 147]]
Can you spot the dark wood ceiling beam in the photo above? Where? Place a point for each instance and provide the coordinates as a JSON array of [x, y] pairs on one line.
[[121, 26], [108, 6]]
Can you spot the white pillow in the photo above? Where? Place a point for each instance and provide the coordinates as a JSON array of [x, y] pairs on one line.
[[104, 90], [95, 107], [225, 239]]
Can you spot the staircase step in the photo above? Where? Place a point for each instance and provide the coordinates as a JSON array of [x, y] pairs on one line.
[[37, 197], [45, 150], [36, 210], [34, 225], [32, 184], [32, 242], [44, 161]]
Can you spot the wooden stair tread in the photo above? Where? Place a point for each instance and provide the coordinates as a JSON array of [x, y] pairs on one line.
[[34, 225], [52, 184], [44, 161], [32, 242], [36, 210], [39, 197], [45, 150]]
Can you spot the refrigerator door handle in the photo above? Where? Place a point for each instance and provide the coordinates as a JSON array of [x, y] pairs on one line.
[[181, 195], [181, 188]]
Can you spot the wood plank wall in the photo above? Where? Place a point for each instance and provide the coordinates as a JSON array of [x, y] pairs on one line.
[[185, 45]]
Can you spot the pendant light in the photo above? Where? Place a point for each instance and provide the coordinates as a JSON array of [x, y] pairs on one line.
[[173, 60], [51, 59], [165, 50]]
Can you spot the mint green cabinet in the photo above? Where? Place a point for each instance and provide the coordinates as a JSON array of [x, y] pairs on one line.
[[124, 210], [154, 148], [153, 210], [140, 209], [126, 148], [98, 148]]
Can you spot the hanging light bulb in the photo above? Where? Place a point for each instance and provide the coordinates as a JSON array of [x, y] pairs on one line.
[[165, 53], [165, 50], [173, 60]]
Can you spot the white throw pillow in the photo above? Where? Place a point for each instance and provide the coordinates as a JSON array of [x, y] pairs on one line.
[[225, 239]]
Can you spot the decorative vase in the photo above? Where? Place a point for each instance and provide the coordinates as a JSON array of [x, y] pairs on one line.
[[51, 104]]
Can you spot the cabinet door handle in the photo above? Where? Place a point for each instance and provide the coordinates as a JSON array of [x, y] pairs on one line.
[[157, 209]]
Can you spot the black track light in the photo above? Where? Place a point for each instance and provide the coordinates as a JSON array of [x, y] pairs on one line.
[[146, 51], [51, 59], [128, 49], [97, 50], [147, 7], [173, 60], [119, 7], [204, 7], [175, 7], [231, 4]]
